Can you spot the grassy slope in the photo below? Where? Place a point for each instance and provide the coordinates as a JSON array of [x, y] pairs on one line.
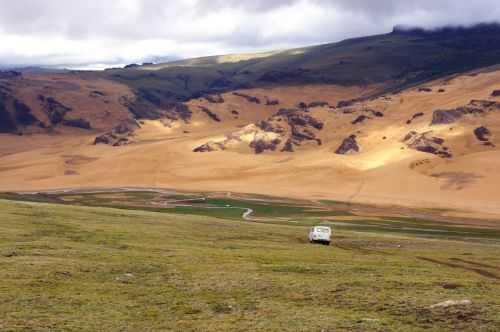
[[85, 269]]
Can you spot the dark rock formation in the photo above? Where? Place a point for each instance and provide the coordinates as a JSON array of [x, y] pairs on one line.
[[77, 123], [10, 74], [96, 94], [360, 119], [260, 145], [495, 93], [250, 99], [345, 103], [23, 114], [318, 104], [348, 146], [294, 125], [7, 124], [120, 135], [475, 107], [272, 102], [302, 106], [178, 111], [14, 114], [483, 134], [276, 76], [415, 116], [288, 147], [425, 90], [446, 116], [210, 114], [204, 148], [425, 142], [154, 104], [214, 99], [375, 113], [54, 109]]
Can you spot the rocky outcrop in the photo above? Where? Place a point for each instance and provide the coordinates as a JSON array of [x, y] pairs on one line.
[[272, 102], [77, 123], [425, 90], [360, 119], [209, 147], [495, 93], [9, 74], [55, 110], [415, 116], [483, 134], [154, 104], [315, 104], [301, 126], [348, 146], [96, 94], [7, 124], [291, 126], [446, 116], [373, 112], [261, 145], [250, 99], [302, 106], [120, 135], [14, 114], [214, 99], [425, 142], [475, 107], [178, 111], [210, 114], [345, 103]]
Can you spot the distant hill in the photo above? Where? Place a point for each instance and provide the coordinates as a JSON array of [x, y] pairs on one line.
[[399, 59]]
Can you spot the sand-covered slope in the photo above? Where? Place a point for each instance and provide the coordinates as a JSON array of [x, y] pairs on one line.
[[430, 146]]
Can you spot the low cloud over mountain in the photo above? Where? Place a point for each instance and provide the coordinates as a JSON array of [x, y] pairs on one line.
[[97, 33]]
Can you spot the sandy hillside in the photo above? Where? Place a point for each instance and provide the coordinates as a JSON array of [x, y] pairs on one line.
[[443, 165]]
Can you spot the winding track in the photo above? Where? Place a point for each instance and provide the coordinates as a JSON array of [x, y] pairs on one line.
[[247, 212]]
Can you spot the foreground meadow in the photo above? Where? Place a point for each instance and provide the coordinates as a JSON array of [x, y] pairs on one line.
[[77, 268]]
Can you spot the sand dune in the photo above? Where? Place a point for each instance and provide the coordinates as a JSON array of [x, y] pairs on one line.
[[385, 171]]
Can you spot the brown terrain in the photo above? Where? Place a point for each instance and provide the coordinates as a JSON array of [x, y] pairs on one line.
[[434, 145]]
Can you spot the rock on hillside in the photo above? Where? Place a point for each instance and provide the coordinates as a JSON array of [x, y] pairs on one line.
[[287, 129], [475, 107], [425, 142], [349, 146], [120, 135]]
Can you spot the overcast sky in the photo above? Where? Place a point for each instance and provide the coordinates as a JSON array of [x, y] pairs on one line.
[[93, 33]]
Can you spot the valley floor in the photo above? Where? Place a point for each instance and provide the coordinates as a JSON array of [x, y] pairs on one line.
[[125, 267]]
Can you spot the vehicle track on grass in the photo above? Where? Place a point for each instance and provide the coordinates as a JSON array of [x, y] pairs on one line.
[[479, 271]]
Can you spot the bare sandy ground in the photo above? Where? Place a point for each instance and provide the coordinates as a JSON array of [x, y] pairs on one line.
[[385, 172]]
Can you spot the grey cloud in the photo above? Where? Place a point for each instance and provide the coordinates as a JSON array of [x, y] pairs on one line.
[[199, 27]]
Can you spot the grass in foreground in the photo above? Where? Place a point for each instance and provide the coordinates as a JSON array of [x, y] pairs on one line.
[[68, 268]]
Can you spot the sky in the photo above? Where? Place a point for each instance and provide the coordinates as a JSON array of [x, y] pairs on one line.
[[94, 34]]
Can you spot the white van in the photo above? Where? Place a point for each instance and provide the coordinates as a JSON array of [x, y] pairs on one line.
[[320, 234]]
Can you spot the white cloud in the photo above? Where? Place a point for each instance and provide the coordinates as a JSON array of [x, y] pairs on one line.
[[85, 33]]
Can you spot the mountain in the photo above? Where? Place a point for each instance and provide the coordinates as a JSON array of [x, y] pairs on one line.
[[407, 118]]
